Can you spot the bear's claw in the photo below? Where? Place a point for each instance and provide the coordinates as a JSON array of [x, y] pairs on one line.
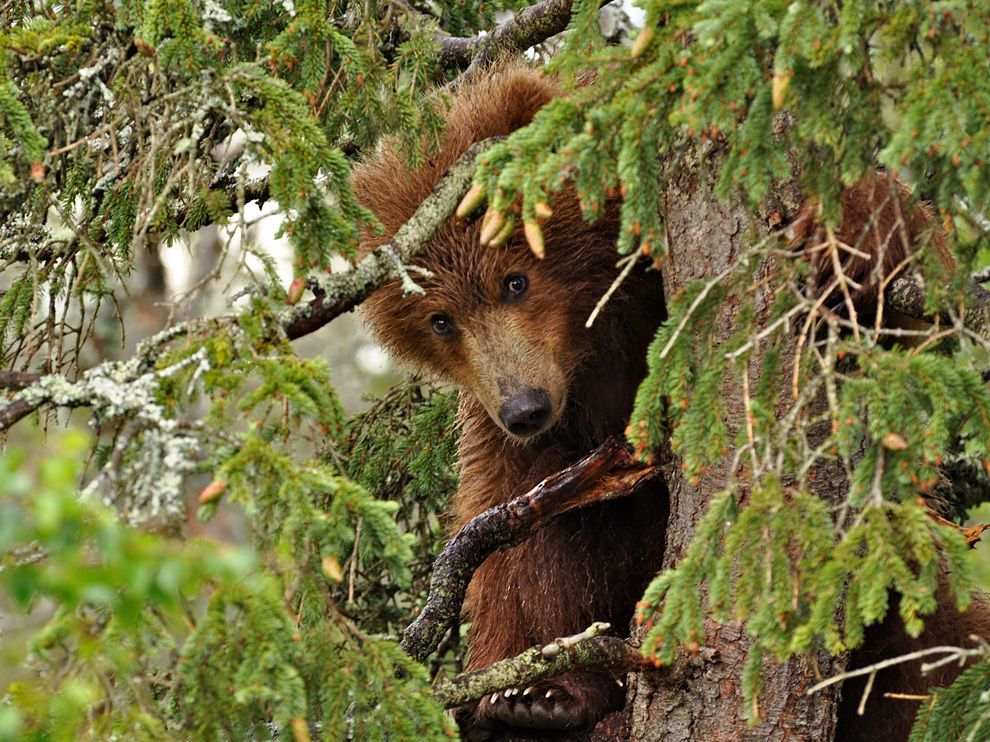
[[543, 706]]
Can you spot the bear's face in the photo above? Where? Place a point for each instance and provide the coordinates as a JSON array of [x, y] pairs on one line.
[[500, 324]]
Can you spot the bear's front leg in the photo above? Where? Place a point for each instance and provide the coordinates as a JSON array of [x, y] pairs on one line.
[[540, 590]]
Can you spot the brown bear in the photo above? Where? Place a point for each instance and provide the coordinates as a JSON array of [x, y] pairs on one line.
[[538, 391]]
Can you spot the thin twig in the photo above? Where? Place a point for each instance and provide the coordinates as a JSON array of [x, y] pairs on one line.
[[955, 654], [906, 697], [630, 263], [691, 310], [354, 561]]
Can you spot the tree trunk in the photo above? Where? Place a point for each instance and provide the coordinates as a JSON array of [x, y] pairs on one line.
[[700, 698]]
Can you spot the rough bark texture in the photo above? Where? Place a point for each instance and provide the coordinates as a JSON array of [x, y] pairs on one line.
[[701, 698], [907, 296]]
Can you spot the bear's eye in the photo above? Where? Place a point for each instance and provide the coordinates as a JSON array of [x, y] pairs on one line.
[[514, 286], [442, 325]]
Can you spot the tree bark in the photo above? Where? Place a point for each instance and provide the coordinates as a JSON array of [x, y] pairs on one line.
[[700, 698]]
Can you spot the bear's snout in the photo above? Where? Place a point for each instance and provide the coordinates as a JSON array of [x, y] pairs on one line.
[[527, 413]]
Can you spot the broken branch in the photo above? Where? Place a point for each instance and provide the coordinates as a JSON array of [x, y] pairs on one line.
[[607, 473]]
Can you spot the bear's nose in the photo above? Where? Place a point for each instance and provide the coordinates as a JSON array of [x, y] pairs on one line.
[[525, 414]]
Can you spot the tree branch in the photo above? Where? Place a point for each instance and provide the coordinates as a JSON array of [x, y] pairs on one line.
[[907, 296], [17, 411], [341, 292], [336, 294], [526, 28], [17, 379], [586, 649], [607, 473]]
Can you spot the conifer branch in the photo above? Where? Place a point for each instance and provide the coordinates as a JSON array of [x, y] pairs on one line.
[[335, 295], [607, 473], [100, 385], [587, 649], [342, 292], [254, 189]]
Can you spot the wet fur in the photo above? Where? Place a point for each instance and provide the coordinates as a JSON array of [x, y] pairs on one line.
[[590, 565]]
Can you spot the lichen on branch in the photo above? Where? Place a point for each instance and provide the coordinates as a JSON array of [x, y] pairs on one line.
[[341, 292], [586, 649]]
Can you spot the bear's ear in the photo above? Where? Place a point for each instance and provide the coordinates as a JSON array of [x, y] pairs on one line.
[[495, 104]]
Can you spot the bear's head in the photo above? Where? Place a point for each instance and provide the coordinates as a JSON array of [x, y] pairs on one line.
[[499, 323]]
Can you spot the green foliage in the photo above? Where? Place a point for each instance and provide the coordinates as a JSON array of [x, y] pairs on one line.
[[121, 598], [862, 84], [778, 565], [154, 111], [957, 712], [928, 401], [796, 574], [903, 79], [134, 648], [403, 449], [16, 129], [679, 374]]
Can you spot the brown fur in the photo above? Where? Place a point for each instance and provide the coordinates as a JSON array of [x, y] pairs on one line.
[[879, 219], [891, 719], [588, 565]]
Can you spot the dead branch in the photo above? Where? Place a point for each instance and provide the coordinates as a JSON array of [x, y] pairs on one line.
[[587, 649], [607, 473]]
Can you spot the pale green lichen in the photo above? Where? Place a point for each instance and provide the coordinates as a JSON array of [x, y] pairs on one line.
[[143, 477]]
